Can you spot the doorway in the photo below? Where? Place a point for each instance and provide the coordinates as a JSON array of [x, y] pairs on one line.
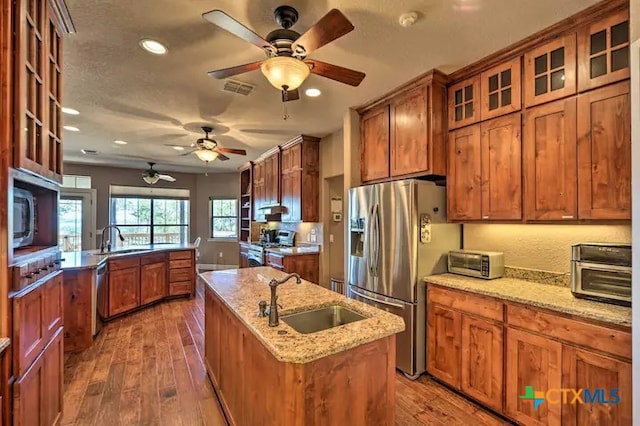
[[77, 218]]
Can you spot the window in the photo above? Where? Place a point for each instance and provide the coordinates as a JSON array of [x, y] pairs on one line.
[[149, 218], [224, 218], [73, 181]]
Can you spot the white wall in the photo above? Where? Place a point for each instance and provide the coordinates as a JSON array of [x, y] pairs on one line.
[[635, 170]]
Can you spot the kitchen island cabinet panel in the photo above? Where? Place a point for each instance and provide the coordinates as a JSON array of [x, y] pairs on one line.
[[124, 290], [153, 282]]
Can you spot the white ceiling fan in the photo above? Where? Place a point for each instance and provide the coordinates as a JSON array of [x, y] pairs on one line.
[[152, 176]]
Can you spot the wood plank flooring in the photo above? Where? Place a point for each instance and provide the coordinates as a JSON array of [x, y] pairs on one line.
[[147, 369]]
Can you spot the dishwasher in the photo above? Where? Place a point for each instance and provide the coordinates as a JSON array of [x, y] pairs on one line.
[[99, 298]]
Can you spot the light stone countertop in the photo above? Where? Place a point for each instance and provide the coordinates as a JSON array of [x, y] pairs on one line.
[[552, 297], [295, 251], [242, 289], [4, 343], [91, 259]]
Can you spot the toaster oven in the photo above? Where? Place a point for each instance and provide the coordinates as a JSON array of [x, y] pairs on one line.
[[479, 264], [602, 272]]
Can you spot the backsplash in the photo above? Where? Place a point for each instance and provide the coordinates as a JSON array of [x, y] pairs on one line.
[[306, 232], [540, 247]]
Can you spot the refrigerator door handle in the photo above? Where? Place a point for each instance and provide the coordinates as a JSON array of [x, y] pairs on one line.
[[376, 214], [382, 302], [369, 225]]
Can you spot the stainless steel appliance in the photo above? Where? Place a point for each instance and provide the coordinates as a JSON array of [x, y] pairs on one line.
[[256, 254], [479, 264], [98, 290], [23, 217], [602, 272], [397, 235]]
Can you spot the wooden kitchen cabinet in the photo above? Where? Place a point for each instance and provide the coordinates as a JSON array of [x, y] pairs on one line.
[[542, 374], [550, 71], [52, 316], [153, 280], [482, 361], [258, 190], [272, 178], [182, 273], [305, 265], [500, 88], [37, 81], [586, 370], [464, 175], [603, 51], [78, 308], [444, 331], [124, 290], [549, 161], [464, 103], [29, 330], [374, 144], [604, 153], [244, 256], [501, 168], [301, 180], [213, 333], [232, 366]]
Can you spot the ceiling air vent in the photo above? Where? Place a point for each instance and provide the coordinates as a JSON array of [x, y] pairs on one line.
[[89, 151], [238, 87]]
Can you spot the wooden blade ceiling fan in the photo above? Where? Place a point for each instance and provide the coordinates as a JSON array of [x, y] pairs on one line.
[[208, 149], [287, 66]]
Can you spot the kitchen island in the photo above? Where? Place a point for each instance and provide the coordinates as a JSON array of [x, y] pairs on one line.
[[279, 376]]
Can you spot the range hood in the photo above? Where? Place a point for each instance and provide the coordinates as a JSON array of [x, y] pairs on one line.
[[274, 209]]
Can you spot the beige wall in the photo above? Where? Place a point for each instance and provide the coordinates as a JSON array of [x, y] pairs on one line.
[[200, 188], [544, 247]]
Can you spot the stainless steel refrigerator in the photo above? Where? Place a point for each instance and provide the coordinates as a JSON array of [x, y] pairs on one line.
[[398, 234]]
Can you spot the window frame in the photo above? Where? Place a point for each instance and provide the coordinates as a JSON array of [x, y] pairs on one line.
[[184, 213], [236, 217]]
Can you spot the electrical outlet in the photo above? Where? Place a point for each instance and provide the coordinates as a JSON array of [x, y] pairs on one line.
[[220, 255], [330, 238]]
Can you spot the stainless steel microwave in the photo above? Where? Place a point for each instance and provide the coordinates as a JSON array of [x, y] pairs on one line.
[[23, 218], [602, 272], [479, 264]]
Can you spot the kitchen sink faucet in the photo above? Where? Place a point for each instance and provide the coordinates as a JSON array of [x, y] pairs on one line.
[[273, 308], [102, 247]]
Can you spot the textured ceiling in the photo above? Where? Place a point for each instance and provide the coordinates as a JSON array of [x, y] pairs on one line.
[[125, 93]]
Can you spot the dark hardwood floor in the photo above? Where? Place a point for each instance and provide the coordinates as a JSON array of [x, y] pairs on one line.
[[147, 369]]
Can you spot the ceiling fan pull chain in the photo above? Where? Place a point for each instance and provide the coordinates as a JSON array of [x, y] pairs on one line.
[[285, 116]]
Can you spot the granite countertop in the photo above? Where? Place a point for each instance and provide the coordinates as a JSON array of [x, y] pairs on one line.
[[4, 343], [295, 251], [91, 259], [552, 297], [242, 289]]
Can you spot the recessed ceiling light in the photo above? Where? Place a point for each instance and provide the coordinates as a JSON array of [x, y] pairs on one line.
[[178, 148], [70, 111], [312, 92], [153, 46], [71, 128], [120, 142]]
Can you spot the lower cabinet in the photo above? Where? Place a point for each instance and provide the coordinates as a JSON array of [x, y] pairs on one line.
[[124, 290], [38, 393], [306, 265], [181, 273], [153, 282], [494, 351]]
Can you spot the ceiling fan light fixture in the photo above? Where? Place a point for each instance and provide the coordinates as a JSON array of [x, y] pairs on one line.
[[151, 179], [206, 155], [285, 71]]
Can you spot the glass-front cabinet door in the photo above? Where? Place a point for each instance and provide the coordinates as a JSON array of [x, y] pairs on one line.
[[550, 71], [464, 103], [501, 89], [603, 51]]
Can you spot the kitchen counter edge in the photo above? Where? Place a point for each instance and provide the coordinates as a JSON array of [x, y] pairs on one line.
[[79, 260]]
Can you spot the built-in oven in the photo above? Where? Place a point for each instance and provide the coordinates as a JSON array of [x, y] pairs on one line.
[[602, 272]]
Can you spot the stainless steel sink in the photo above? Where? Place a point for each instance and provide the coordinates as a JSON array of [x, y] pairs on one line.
[[321, 319]]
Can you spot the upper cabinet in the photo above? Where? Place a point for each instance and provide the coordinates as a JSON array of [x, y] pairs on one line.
[[604, 153], [464, 103], [272, 178], [501, 89], [603, 51], [301, 180], [550, 71], [464, 175], [374, 144], [38, 86], [258, 190], [403, 134]]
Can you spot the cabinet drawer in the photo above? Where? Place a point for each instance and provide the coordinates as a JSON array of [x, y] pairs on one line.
[[128, 262], [153, 258], [592, 336], [181, 263], [185, 254], [275, 260], [477, 305], [182, 274], [183, 287]]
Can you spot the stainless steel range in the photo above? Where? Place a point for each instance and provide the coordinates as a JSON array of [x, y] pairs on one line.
[[256, 255]]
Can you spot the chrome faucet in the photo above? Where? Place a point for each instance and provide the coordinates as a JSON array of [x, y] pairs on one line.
[[102, 247], [273, 308]]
